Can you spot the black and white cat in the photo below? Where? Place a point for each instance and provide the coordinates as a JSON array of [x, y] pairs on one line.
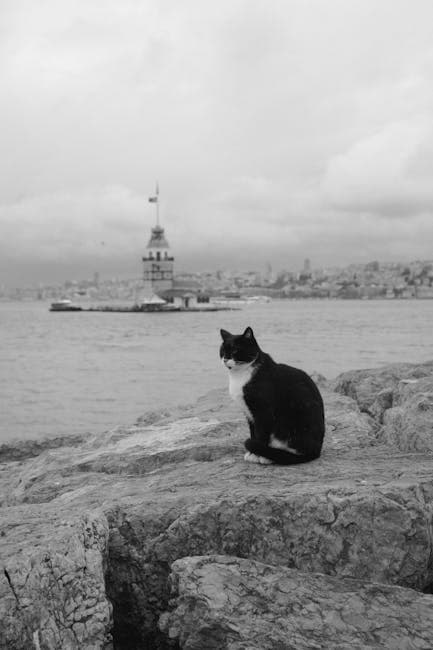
[[282, 404]]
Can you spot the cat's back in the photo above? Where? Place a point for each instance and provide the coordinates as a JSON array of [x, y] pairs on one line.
[[290, 373], [295, 382], [281, 371], [282, 381]]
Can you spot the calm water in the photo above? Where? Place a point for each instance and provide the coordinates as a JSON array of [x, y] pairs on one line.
[[76, 372]]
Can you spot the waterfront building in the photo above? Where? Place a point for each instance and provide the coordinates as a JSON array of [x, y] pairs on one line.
[[158, 272], [186, 293], [158, 263]]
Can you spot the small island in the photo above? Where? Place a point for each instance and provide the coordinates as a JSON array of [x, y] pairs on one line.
[[159, 536], [158, 292], [151, 307]]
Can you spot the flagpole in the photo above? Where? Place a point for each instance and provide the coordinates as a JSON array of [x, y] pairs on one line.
[[155, 199], [157, 204]]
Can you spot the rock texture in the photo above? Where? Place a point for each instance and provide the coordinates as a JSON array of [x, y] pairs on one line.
[[399, 397], [90, 530], [408, 424], [52, 592], [370, 387], [227, 602]]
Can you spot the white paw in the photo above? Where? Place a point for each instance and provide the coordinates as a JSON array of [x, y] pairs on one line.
[[253, 458]]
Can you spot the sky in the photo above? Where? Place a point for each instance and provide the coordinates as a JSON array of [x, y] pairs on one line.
[[276, 129]]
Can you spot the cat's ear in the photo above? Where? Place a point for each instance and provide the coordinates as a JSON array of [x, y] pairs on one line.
[[224, 334], [248, 334]]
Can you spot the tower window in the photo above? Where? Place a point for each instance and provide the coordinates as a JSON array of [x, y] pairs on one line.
[[158, 256]]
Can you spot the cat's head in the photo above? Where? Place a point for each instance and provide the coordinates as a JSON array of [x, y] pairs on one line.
[[238, 350]]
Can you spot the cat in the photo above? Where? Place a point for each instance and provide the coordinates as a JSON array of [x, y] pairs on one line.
[[283, 405]]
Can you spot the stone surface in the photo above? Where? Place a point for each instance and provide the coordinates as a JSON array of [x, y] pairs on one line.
[[52, 591], [399, 398], [175, 485], [226, 602], [409, 424], [364, 386]]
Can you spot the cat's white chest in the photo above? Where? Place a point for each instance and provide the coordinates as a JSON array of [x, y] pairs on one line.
[[238, 379]]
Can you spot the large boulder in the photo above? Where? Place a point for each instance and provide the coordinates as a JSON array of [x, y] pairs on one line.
[[400, 399], [227, 602], [175, 485], [52, 583], [364, 386], [409, 423]]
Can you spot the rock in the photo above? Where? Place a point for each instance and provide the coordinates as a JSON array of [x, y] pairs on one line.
[[124, 452], [383, 402], [177, 486], [409, 425], [227, 602], [22, 449], [399, 398], [365, 385], [52, 590]]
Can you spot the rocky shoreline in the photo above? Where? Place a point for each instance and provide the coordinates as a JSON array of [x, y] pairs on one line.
[[159, 535]]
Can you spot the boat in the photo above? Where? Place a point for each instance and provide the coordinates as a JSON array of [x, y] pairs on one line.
[[64, 305], [260, 298]]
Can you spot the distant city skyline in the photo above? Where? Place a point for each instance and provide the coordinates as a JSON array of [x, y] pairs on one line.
[[277, 131], [392, 273]]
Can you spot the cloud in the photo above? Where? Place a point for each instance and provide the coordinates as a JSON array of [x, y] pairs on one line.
[[274, 129], [387, 173], [93, 224]]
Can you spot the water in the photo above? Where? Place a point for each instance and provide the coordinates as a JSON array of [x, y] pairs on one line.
[[64, 373]]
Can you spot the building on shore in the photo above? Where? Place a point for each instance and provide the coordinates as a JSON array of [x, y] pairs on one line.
[[158, 272], [158, 263]]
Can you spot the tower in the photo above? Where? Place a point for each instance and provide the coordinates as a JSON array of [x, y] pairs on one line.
[[157, 263]]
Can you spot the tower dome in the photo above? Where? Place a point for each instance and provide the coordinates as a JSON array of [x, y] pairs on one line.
[[157, 239]]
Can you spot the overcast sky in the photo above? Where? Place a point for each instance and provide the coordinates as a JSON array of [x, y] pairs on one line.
[[277, 129]]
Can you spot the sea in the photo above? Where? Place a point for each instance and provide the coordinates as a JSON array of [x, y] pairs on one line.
[[84, 372]]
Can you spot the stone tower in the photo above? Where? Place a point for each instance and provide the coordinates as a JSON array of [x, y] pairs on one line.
[[157, 263]]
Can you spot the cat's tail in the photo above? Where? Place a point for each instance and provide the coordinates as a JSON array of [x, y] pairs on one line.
[[278, 456]]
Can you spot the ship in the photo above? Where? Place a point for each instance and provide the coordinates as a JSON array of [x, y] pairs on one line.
[[64, 305]]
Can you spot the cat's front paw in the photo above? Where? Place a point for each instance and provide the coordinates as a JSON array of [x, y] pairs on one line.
[[253, 458]]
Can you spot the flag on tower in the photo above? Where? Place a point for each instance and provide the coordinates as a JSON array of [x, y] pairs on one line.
[[154, 199]]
